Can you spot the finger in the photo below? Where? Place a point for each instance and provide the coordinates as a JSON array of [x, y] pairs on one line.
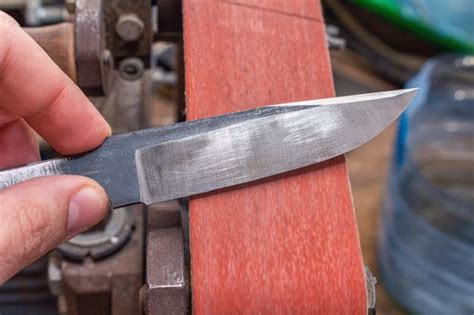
[[40, 214], [18, 144], [32, 86]]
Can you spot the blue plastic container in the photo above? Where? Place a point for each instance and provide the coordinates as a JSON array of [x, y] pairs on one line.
[[426, 246]]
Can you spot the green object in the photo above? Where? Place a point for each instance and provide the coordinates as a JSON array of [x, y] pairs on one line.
[[447, 24]]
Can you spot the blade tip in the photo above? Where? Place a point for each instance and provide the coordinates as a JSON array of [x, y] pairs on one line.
[[406, 96], [411, 91], [410, 94]]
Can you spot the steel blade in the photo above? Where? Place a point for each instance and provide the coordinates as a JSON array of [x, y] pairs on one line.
[[183, 159], [239, 148]]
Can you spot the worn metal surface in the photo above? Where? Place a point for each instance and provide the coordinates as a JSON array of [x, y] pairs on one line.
[[129, 27], [371, 281], [127, 42], [183, 159], [108, 286], [89, 43], [260, 147], [103, 240], [165, 290]]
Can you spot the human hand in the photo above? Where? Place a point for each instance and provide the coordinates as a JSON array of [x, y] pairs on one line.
[[38, 215]]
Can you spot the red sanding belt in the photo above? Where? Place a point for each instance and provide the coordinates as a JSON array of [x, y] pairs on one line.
[[288, 244]]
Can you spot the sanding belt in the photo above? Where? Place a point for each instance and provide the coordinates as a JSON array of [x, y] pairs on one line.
[[288, 244]]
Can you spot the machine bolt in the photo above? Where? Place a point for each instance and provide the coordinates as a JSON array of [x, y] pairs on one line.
[[131, 68], [129, 27]]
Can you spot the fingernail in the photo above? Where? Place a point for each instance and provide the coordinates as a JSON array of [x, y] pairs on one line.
[[86, 208], [108, 132]]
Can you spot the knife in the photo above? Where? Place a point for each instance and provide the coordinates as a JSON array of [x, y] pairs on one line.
[[188, 158]]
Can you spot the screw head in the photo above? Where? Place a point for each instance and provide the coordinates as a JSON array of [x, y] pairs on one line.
[[129, 27]]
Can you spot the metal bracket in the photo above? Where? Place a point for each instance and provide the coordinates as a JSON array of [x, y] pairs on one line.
[[165, 290]]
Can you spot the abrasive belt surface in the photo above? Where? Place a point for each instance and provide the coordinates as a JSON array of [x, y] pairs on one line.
[[287, 244]]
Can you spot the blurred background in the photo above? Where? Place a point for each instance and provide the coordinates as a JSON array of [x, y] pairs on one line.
[[413, 185]]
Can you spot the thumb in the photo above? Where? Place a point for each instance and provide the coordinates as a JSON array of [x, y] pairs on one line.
[[38, 215]]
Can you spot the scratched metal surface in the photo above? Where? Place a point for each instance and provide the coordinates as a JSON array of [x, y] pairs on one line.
[[184, 159], [264, 146]]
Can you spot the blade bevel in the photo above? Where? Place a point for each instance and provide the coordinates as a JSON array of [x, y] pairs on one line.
[[287, 137]]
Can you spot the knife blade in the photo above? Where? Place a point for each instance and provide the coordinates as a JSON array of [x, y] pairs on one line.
[[184, 159]]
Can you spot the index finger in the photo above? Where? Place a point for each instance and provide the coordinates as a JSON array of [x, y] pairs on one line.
[[34, 88]]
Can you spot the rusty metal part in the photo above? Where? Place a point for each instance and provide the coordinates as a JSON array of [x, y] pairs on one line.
[[102, 35], [58, 41], [165, 290], [129, 27], [89, 44], [116, 12], [109, 286]]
